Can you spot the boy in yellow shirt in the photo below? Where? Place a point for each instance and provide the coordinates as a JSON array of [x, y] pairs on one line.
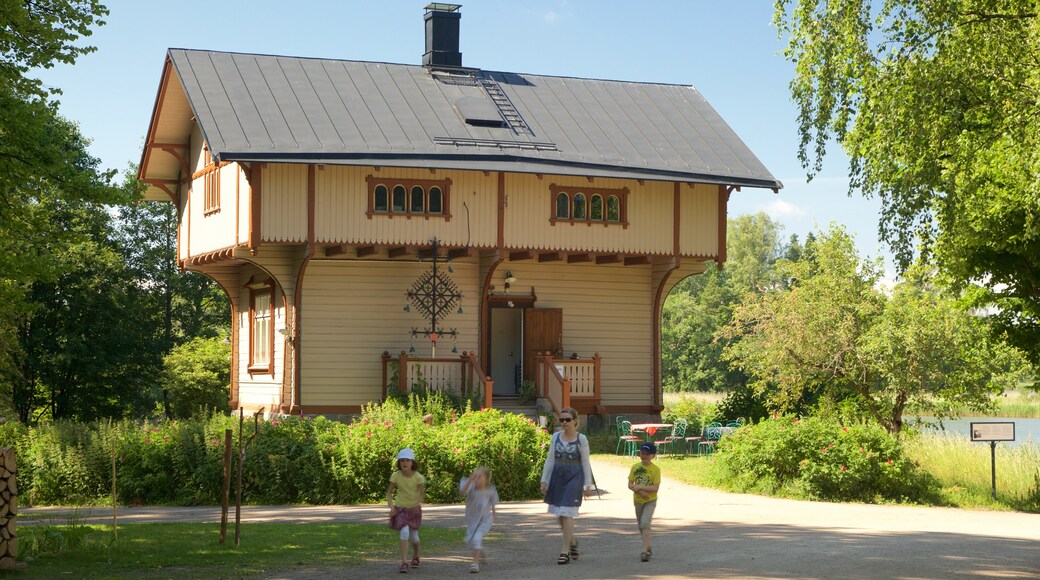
[[644, 479]]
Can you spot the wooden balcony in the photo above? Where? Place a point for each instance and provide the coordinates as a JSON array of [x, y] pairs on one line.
[[461, 377], [569, 382]]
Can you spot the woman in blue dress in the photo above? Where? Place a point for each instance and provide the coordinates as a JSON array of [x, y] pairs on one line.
[[566, 478]]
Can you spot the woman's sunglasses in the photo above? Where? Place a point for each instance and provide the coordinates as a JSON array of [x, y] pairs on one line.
[[565, 419]]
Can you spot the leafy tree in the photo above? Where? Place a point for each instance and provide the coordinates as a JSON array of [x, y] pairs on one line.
[[43, 157], [87, 350], [700, 305], [935, 103], [39, 34], [197, 376], [834, 334]]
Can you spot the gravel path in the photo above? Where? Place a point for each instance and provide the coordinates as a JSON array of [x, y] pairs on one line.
[[699, 533]]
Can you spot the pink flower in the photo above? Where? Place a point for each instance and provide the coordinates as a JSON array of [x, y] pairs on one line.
[[845, 429], [147, 440], [890, 462], [166, 439], [843, 468]]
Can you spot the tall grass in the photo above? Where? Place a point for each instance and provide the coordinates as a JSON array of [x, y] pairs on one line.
[[713, 398], [1018, 403], [965, 471]]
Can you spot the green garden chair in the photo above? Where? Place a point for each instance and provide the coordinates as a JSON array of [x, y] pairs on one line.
[[677, 435], [626, 440], [712, 433]]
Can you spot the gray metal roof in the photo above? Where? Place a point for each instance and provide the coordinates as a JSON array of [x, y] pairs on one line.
[[254, 107]]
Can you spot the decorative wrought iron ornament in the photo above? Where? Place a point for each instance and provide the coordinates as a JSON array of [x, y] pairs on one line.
[[434, 295]]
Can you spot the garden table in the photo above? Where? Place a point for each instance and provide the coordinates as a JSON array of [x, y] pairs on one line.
[[650, 428]]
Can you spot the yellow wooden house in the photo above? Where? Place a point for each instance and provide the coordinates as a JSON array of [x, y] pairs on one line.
[[560, 211]]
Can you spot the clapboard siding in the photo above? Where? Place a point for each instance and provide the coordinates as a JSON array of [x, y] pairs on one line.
[[341, 209], [283, 192], [214, 230], [353, 311], [698, 235], [529, 209]]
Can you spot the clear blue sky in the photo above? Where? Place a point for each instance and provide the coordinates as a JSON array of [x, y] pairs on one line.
[[729, 51]]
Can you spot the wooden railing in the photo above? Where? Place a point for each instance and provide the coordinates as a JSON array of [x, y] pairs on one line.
[[460, 376], [567, 381]]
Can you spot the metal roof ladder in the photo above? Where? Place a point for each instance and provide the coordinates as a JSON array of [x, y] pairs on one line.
[[505, 106]]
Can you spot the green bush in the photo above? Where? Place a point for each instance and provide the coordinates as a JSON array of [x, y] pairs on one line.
[[822, 459], [744, 402], [196, 376], [290, 459]]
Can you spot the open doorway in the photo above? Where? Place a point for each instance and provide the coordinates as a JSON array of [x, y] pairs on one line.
[[507, 341]]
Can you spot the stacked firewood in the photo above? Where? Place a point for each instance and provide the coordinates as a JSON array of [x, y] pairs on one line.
[[8, 509]]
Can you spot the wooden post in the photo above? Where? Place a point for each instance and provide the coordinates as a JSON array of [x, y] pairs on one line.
[[241, 464], [115, 529], [465, 373], [596, 378], [386, 364], [225, 495], [402, 372], [238, 485]]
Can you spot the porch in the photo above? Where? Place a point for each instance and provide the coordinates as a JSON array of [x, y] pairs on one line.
[[559, 382]]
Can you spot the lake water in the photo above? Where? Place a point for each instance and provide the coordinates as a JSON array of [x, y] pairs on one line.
[[1026, 430]]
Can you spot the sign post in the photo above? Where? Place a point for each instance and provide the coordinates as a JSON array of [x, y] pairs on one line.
[[993, 431]]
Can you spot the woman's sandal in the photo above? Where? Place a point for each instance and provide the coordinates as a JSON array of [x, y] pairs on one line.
[[574, 551], [404, 568], [415, 562], [474, 568], [563, 559], [644, 557]]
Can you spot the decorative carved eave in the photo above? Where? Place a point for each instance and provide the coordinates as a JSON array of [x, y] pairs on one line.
[[211, 257]]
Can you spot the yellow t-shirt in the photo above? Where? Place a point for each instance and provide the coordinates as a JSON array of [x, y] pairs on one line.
[[407, 488], [645, 475]]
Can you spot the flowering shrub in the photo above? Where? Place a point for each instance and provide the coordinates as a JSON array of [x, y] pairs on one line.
[[822, 459], [290, 460]]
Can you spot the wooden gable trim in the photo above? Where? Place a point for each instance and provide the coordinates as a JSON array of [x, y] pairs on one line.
[[160, 97]]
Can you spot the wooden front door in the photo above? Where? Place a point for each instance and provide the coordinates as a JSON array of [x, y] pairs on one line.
[[543, 331]]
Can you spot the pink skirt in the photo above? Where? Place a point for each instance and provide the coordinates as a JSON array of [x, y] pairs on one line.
[[411, 517]]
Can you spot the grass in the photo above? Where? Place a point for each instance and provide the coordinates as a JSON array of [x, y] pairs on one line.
[[964, 469], [670, 398], [1019, 403], [191, 550]]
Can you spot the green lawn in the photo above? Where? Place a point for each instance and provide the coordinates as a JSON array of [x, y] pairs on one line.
[[191, 550]]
